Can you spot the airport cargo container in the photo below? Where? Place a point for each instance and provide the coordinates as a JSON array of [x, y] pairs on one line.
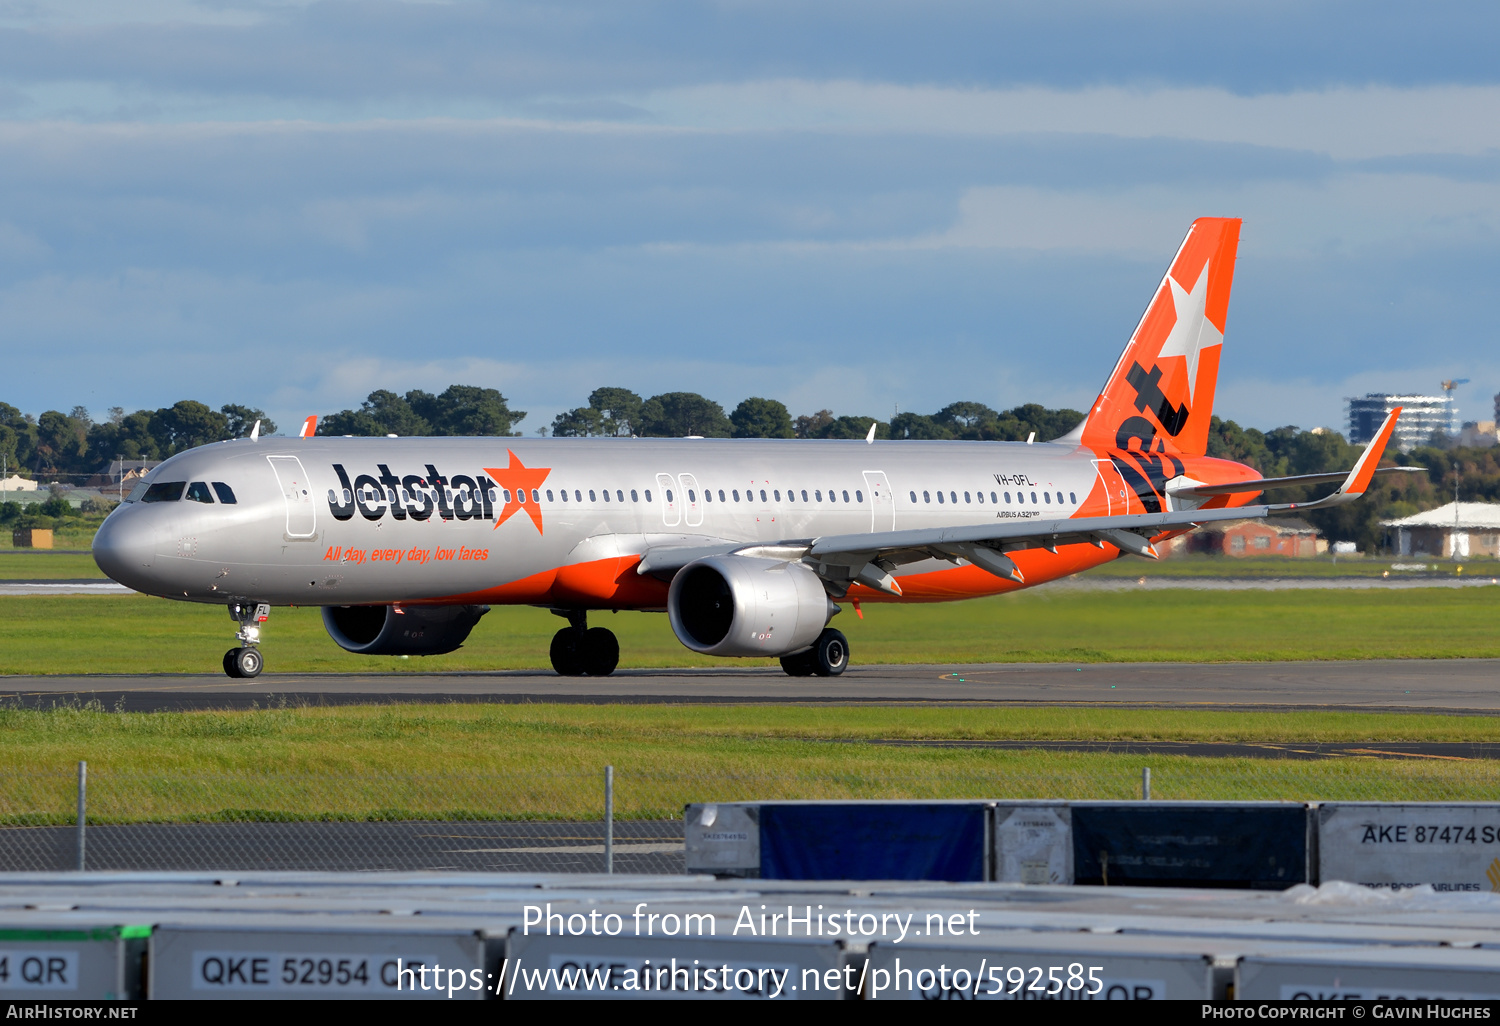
[[70, 960], [1451, 846]]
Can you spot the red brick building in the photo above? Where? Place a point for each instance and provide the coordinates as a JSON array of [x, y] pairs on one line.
[[1276, 536]]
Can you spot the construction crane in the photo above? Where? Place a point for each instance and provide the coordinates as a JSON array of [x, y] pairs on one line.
[[1449, 386]]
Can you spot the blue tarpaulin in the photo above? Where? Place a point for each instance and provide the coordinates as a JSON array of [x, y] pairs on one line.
[[880, 841]]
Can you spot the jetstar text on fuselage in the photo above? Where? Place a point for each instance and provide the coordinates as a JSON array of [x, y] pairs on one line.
[[460, 497]]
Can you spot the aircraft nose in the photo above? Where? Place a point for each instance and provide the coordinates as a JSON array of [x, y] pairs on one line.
[[125, 547]]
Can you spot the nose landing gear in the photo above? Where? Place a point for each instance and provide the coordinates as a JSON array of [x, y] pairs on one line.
[[581, 650], [246, 661]]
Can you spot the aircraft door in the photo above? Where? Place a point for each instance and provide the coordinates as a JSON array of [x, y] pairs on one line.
[[671, 502], [1114, 488], [882, 501], [301, 515], [691, 499]]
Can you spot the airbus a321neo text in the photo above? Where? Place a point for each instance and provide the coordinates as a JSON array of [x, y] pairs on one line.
[[749, 546]]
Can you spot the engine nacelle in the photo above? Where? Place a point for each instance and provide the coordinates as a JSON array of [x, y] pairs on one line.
[[747, 606], [415, 630]]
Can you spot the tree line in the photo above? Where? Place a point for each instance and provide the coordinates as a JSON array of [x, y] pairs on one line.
[[621, 412], [60, 445]]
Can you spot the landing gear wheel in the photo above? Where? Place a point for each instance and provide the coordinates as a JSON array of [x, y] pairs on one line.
[[566, 658], [230, 670], [247, 662], [830, 653], [799, 664], [601, 652]]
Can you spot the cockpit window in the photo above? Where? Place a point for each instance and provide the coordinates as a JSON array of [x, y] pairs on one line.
[[224, 492], [198, 492], [164, 491]]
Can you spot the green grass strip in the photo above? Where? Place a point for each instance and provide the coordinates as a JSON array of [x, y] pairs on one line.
[[86, 634]]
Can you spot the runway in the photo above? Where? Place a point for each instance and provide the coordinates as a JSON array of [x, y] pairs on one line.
[[1466, 686]]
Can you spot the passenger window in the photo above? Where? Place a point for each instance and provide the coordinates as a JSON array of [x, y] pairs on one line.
[[804, 495], [940, 497], [721, 495], [1007, 497], [997, 501], [1033, 498], [595, 498], [845, 496], [549, 495], [224, 492], [692, 495], [606, 495], [979, 496], [564, 495], [817, 495], [1047, 498], [164, 491], [506, 493], [648, 495], [966, 496], [736, 495], [619, 495], [1072, 498], [777, 493], [927, 497], [954, 497], [198, 492], [536, 496], [635, 496], [914, 498], [708, 495], [763, 496], [859, 496], [669, 495]]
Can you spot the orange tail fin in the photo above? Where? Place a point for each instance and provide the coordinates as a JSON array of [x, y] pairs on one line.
[[1161, 394]]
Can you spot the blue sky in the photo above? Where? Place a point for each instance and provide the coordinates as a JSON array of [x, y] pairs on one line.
[[848, 205]]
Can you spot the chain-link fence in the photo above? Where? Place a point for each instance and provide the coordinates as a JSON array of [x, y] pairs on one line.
[[554, 821]]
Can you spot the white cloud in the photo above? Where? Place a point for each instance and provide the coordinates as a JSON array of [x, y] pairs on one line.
[[1341, 214], [1344, 123]]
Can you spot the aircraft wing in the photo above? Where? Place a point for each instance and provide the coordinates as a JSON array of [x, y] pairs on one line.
[[872, 558], [869, 558]]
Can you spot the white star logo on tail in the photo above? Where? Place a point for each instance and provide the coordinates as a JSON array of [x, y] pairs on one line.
[[1193, 331]]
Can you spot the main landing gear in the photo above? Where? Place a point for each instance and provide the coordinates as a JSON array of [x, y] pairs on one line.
[[581, 650], [828, 657], [246, 661]]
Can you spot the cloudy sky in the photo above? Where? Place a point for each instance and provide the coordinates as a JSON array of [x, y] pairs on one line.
[[844, 205]]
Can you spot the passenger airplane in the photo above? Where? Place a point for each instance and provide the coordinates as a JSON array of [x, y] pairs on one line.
[[748, 546]]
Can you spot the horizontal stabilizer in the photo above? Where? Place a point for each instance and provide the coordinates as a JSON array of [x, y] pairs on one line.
[[1267, 483]]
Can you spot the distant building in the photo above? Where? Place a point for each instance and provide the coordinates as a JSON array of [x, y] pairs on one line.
[[1421, 415], [1455, 531], [1477, 434], [16, 483], [121, 473], [1277, 536]]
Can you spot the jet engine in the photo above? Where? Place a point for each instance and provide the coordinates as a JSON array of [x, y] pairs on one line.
[[747, 606], [409, 630]]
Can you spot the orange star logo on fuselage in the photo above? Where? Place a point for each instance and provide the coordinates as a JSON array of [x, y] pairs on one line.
[[520, 484]]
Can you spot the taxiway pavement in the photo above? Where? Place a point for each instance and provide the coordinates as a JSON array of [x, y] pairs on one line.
[[1451, 686]]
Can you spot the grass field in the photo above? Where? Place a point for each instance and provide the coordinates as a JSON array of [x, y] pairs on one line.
[[127, 634], [44, 565], [544, 761]]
